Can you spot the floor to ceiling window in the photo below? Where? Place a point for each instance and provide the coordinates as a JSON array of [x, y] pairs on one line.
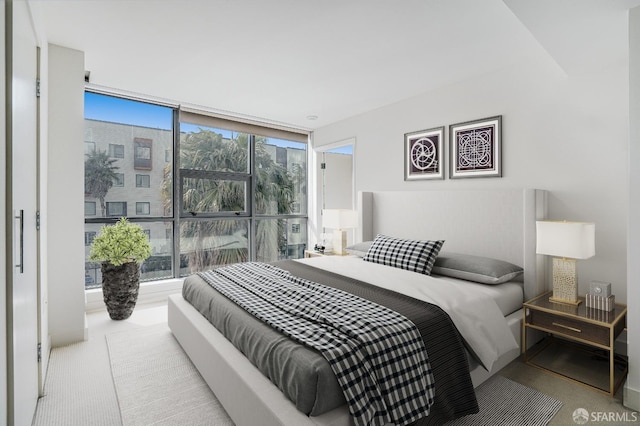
[[208, 193]]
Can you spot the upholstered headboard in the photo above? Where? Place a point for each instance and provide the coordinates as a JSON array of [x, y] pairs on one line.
[[494, 223]]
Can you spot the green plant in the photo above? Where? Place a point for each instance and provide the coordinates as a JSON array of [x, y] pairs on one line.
[[120, 243], [99, 174]]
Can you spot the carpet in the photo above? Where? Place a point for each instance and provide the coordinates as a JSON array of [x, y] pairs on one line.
[[156, 384], [505, 402]]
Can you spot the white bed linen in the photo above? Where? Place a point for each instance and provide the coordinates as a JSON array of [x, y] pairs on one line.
[[476, 315], [508, 296]]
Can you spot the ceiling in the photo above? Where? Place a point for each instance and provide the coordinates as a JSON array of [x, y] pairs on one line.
[[284, 61]]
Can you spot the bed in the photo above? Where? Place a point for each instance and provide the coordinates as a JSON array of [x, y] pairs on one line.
[[499, 224]]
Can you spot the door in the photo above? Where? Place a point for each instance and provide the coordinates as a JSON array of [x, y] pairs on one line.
[[23, 306], [337, 180]]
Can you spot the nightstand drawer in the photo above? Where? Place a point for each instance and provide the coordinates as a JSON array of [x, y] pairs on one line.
[[569, 327]]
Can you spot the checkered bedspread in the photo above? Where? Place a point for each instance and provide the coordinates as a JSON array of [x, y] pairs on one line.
[[377, 355]]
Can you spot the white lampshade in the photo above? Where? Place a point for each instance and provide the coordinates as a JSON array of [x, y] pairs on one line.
[[339, 218], [574, 240]]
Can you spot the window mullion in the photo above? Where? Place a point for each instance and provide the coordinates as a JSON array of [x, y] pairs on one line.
[[176, 205], [252, 197]]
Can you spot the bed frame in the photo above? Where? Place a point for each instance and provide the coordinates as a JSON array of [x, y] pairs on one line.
[[492, 223]]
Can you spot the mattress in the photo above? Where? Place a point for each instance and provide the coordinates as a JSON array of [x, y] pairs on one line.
[[508, 296], [306, 378], [301, 373]]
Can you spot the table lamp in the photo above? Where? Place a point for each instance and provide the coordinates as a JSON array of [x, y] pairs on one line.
[[339, 220], [567, 242]]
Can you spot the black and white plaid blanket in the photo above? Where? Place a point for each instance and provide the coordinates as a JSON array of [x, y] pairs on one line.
[[377, 355]]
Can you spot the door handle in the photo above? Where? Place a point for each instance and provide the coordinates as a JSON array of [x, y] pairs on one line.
[[20, 217]]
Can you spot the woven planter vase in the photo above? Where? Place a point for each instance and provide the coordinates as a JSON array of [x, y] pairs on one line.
[[120, 286]]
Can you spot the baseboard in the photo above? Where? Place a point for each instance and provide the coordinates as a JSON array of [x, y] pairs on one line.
[[150, 292], [631, 398]]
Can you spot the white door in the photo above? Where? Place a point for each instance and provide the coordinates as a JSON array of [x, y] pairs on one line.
[[23, 329]]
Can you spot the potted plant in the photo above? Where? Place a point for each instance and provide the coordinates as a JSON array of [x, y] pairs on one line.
[[120, 248]]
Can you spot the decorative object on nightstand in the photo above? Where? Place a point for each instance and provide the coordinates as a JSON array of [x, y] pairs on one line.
[[339, 220], [567, 242], [600, 297]]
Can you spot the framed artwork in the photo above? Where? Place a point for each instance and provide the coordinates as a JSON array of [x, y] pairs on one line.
[[475, 148], [423, 153]]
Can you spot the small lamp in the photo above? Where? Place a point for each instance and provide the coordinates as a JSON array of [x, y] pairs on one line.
[[339, 220], [566, 241]]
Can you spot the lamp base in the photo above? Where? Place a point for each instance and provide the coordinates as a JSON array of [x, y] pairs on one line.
[[566, 302], [339, 241], [565, 281]]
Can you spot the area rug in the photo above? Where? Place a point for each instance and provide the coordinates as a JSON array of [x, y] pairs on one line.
[[156, 384], [505, 402]]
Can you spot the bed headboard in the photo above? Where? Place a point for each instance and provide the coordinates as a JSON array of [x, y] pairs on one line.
[[493, 223]]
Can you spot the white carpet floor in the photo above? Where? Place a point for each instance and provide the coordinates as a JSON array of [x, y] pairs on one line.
[[79, 388], [156, 383]]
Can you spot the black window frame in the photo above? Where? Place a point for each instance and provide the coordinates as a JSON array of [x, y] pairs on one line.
[[174, 215]]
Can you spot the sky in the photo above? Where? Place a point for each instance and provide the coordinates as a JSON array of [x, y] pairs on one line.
[[125, 111], [118, 110]]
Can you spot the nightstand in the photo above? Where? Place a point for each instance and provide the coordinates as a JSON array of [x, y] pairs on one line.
[[580, 342], [313, 253]]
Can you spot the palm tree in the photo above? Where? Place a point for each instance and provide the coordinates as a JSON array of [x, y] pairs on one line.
[[274, 195], [99, 174]]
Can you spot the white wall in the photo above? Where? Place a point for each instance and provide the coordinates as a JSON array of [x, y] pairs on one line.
[[565, 134], [65, 195], [632, 387]]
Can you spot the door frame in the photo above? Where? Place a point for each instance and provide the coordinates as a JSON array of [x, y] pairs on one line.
[[316, 201]]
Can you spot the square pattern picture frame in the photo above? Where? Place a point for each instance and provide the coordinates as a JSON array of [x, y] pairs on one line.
[[475, 148], [423, 154]]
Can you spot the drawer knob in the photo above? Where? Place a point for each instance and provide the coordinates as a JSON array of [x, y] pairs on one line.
[[577, 330]]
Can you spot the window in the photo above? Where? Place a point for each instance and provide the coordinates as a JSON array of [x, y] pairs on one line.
[[117, 208], [116, 151], [239, 192], [143, 208], [88, 238], [118, 179], [216, 181], [89, 208], [143, 181], [89, 147], [142, 154]]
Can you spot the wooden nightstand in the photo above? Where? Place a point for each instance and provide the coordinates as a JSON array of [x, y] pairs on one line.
[[580, 342]]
